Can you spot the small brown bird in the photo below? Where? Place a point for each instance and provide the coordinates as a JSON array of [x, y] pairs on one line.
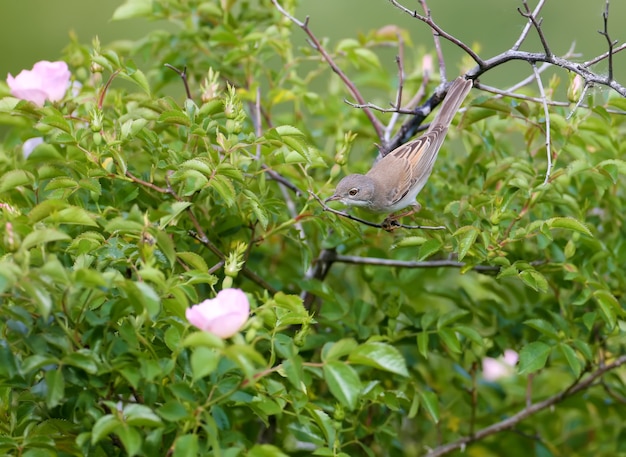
[[395, 180]]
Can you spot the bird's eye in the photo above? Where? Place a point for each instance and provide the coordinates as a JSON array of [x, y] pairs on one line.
[[353, 192]]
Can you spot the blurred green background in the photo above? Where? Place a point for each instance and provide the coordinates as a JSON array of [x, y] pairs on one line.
[[32, 30]]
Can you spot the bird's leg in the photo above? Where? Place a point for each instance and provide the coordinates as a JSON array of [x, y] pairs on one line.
[[391, 221]]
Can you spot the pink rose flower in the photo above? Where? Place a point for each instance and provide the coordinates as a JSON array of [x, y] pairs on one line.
[[223, 316], [46, 81], [502, 367]]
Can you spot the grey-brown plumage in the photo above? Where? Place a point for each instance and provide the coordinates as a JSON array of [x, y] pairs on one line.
[[395, 180]]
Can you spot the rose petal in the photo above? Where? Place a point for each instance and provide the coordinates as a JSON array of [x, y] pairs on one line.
[[223, 315]]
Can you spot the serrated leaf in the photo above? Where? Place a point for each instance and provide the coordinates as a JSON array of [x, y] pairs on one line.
[[379, 355], [569, 223], [175, 117], [343, 382], [533, 357]]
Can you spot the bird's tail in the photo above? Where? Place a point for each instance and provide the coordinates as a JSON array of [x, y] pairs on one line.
[[456, 95]]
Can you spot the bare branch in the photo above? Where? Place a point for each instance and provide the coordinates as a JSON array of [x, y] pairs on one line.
[[578, 386], [546, 112], [331, 63], [437, 41], [528, 26], [537, 24], [428, 21], [601, 57], [605, 34], [183, 75]]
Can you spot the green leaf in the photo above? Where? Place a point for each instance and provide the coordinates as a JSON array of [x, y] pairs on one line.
[[265, 450], [569, 223], [173, 411], [466, 236], [131, 439], [205, 339], [572, 359], [422, 343], [338, 349], [204, 361], [84, 360], [533, 357], [186, 446], [608, 305], [542, 326], [535, 280], [470, 333], [192, 259], [431, 403], [72, 215], [448, 336], [379, 355], [103, 427], [55, 388], [452, 316], [15, 178], [343, 382], [141, 416], [429, 248], [131, 9]]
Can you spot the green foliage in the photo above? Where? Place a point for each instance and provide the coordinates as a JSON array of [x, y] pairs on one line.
[[122, 218]]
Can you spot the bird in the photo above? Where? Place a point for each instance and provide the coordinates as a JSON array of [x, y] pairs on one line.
[[394, 181]]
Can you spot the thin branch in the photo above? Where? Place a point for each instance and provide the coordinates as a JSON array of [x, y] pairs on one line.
[[574, 67], [528, 26], [530, 15], [601, 57], [387, 227], [546, 112], [428, 21], [444, 263], [605, 34], [183, 76], [578, 386], [508, 93], [437, 41], [331, 63]]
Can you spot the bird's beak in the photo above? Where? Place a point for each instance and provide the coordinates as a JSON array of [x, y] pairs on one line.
[[332, 198]]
